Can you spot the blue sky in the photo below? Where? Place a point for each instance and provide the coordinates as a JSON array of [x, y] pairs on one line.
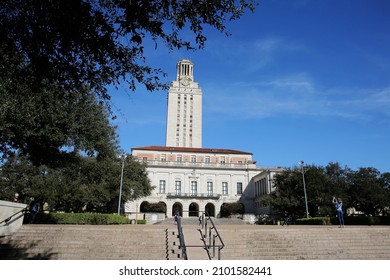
[[296, 80]]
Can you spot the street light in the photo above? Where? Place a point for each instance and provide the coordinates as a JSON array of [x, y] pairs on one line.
[[304, 187], [120, 187]]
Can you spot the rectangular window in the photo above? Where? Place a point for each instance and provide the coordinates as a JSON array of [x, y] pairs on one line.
[[222, 160], [162, 186], [207, 160], [179, 158], [194, 188], [193, 159], [209, 188], [224, 188], [178, 187], [239, 188], [163, 157]]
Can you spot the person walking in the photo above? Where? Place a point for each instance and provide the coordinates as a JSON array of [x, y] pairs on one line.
[[339, 208]]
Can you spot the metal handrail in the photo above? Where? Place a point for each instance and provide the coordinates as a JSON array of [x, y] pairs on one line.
[[181, 237], [212, 237], [203, 221], [205, 245], [6, 220]]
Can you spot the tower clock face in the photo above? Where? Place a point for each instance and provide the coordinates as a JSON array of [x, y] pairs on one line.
[[185, 81]]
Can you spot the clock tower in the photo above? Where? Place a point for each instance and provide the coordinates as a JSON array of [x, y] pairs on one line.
[[184, 114]]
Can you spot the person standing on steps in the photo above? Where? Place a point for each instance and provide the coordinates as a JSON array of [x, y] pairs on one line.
[[34, 209], [339, 208], [286, 219], [176, 217]]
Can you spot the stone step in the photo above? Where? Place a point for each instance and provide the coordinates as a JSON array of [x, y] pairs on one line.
[[160, 242], [84, 242]]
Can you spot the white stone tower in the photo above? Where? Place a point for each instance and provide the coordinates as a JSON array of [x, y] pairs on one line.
[[184, 115]]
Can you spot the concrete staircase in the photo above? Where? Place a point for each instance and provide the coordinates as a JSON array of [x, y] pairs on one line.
[[159, 242], [85, 242], [305, 242]]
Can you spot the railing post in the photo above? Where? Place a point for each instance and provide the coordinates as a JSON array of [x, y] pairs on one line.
[[210, 235], [214, 246]]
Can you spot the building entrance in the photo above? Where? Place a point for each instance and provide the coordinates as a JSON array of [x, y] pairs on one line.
[[177, 208], [210, 209], [193, 210]]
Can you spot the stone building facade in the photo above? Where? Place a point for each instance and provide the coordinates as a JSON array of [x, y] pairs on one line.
[[193, 180], [190, 179]]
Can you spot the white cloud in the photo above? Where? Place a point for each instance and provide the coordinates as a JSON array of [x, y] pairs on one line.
[[255, 54], [268, 45], [297, 96], [382, 98]]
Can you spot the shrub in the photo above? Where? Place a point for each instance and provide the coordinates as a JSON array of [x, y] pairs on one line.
[[229, 209], [313, 221], [265, 220], [158, 207], [359, 220], [349, 220], [79, 218]]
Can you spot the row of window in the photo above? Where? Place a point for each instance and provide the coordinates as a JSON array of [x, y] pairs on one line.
[[184, 121], [194, 188], [261, 187], [193, 159], [185, 97], [207, 160]]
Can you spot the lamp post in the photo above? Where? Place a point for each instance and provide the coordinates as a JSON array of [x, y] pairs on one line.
[[120, 187], [304, 187]]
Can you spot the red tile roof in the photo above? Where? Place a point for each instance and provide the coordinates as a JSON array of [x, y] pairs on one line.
[[190, 150]]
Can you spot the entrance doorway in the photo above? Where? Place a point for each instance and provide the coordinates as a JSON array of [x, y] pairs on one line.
[[177, 208], [193, 210], [210, 209]]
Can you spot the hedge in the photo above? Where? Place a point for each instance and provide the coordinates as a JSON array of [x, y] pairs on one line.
[[363, 220], [78, 218], [349, 220], [314, 221]]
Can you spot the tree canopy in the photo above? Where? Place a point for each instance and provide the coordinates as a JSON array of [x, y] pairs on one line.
[[86, 185], [55, 53], [50, 127], [366, 190]]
